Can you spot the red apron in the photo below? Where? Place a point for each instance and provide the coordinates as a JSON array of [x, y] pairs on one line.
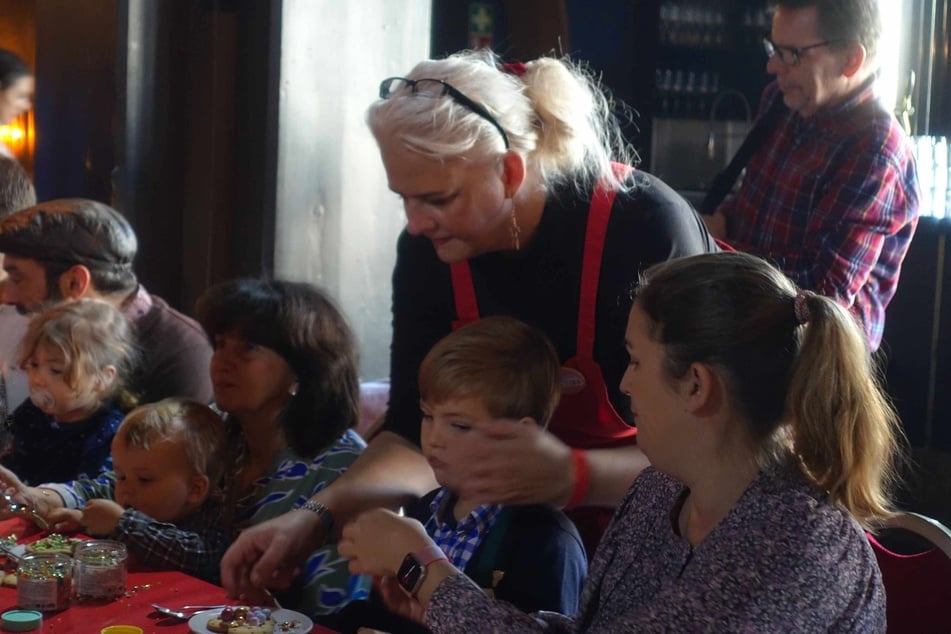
[[585, 417]]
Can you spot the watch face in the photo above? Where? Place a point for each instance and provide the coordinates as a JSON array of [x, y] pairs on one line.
[[410, 573]]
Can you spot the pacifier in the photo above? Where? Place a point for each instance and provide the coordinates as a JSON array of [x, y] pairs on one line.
[[43, 399]]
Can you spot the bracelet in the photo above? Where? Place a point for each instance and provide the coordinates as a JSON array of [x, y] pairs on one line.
[[322, 512], [581, 473]]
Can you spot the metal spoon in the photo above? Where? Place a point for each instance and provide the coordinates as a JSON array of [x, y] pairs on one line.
[[182, 615], [18, 508]]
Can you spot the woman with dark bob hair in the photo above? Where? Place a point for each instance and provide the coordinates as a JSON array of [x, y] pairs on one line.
[[301, 325], [284, 372]]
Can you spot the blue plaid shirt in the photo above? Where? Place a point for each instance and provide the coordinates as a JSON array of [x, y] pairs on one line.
[[459, 539]]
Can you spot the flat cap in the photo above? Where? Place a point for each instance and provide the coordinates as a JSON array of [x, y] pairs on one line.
[[70, 231]]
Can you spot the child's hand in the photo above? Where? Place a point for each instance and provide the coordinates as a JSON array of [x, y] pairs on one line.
[[100, 517], [65, 520], [377, 541]]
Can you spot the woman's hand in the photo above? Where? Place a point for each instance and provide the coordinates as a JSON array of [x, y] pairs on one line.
[[377, 541], [269, 554], [398, 601], [510, 463], [65, 520], [43, 501], [11, 485]]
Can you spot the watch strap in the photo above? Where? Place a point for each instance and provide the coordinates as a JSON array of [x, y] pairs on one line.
[[430, 554]]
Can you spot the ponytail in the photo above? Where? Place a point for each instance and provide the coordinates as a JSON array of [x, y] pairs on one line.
[[578, 134], [844, 431]]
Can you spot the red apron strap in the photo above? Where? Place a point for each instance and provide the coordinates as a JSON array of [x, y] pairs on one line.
[[599, 214], [463, 292]]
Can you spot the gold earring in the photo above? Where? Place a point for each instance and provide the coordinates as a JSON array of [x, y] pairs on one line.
[[516, 230]]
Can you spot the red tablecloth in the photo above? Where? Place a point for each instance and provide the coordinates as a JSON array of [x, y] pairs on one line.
[[143, 589]]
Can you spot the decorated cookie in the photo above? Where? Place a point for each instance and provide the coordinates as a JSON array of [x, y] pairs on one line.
[[53, 543], [242, 619]]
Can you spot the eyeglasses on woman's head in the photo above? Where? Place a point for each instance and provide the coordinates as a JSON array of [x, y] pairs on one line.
[[433, 89]]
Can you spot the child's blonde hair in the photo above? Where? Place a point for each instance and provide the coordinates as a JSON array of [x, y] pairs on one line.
[[511, 367], [196, 426], [91, 335]]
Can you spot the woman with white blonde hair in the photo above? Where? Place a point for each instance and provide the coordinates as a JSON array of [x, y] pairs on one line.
[[520, 201]]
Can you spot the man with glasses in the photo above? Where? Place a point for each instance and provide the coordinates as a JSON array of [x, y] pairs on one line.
[[831, 194]]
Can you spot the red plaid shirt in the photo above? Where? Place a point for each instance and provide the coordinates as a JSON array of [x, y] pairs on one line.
[[832, 200]]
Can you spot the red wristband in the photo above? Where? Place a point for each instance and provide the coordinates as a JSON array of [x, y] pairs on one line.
[[581, 473]]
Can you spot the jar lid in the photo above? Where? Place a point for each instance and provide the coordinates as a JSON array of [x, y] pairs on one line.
[[21, 620], [121, 629]]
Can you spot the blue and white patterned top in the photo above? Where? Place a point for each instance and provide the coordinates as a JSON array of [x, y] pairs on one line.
[[325, 584]]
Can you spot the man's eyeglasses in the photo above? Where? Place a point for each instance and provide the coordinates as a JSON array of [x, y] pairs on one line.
[[789, 55], [433, 89]]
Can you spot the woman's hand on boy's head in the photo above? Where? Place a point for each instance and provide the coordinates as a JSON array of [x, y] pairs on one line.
[[65, 520], [377, 541], [515, 464], [100, 517]]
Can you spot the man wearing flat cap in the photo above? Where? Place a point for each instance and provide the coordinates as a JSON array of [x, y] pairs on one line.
[[71, 248]]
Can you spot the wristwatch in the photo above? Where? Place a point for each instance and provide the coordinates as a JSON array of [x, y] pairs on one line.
[[412, 571]]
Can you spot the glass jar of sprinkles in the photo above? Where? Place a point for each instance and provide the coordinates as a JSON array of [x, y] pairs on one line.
[[45, 582], [100, 569]]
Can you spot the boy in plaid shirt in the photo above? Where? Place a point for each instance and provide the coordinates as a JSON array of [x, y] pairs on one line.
[[162, 500]]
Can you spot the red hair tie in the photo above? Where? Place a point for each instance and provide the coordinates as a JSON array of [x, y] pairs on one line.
[[514, 68]]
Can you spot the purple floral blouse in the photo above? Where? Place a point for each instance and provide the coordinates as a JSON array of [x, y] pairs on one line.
[[782, 560]]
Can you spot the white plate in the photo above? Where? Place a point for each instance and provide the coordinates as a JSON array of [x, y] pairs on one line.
[[199, 622]]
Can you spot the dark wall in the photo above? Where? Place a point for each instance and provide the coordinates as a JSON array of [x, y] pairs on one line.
[[941, 87], [617, 40], [918, 336], [166, 110], [911, 325], [75, 98], [197, 150]]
